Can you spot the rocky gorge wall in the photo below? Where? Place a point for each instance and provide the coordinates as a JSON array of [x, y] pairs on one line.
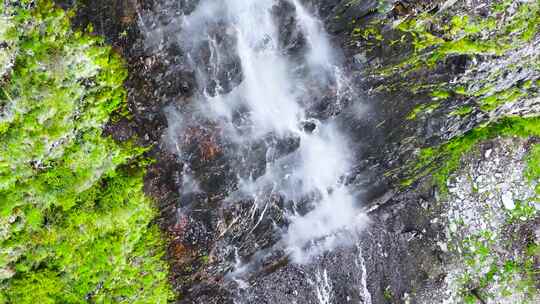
[[447, 162]]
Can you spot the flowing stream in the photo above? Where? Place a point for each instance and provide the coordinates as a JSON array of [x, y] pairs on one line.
[[260, 96]]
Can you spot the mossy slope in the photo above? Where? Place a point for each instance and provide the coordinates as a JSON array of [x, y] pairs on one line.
[[472, 72], [75, 225]]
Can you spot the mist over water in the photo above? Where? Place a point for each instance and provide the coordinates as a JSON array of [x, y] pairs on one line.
[[271, 103]]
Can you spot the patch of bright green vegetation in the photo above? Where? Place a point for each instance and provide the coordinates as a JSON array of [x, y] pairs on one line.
[[205, 259], [432, 38], [75, 225], [443, 160], [463, 111], [367, 33], [533, 250], [533, 167], [435, 37], [387, 294], [428, 88], [489, 98], [491, 102], [533, 163], [423, 108], [522, 212], [440, 95]]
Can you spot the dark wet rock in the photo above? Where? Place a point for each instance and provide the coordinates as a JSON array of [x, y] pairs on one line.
[[346, 11], [309, 126], [388, 257], [292, 40], [253, 157], [225, 72]]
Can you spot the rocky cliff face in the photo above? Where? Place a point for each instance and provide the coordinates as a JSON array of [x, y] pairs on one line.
[[450, 220]]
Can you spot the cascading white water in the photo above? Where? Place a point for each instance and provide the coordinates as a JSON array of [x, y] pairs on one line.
[[323, 288], [271, 99], [361, 263]]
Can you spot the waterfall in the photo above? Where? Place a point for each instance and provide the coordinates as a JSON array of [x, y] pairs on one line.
[[271, 100], [323, 288], [361, 262]]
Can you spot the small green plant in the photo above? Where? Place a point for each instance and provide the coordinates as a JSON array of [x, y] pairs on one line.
[[522, 212], [533, 163], [387, 294]]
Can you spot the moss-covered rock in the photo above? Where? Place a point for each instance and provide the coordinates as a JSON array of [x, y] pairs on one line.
[[75, 225]]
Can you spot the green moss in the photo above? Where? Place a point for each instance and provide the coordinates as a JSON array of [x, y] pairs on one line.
[[533, 163], [205, 259], [440, 95], [443, 160], [423, 108], [75, 225], [511, 95], [387, 294], [456, 39], [523, 211], [463, 111], [367, 33], [533, 250], [435, 37], [487, 89], [533, 168], [465, 46]]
